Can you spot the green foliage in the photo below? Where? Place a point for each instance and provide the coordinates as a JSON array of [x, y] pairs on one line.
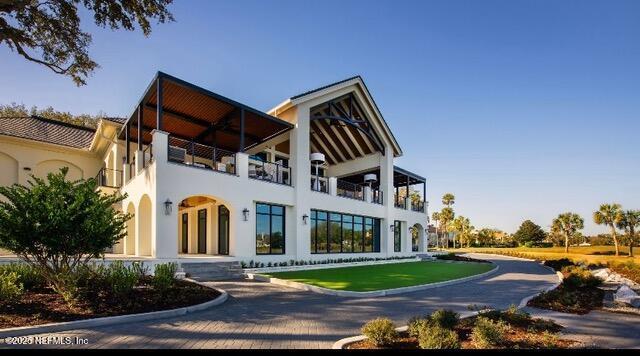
[[57, 226], [529, 232], [445, 318], [49, 32], [121, 279], [568, 225], [488, 333], [579, 277], [10, 287], [15, 110], [164, 276], [559, 264], [416, 324], [511, 316], [436, 337], [28, 275], [380, 331]]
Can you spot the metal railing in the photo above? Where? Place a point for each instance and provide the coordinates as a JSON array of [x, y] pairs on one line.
[[400, 202], [111, 178], [417, 206], [132, 167], [147, 155], [350, 190], [320, 185], [269, 171], [201, 156], [376, 196]]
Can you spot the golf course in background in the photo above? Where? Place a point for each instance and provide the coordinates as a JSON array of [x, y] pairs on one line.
[[384, 276]]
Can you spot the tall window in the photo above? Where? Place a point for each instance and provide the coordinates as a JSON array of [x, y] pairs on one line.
[[269, 229], [343, 233], [397, 236]]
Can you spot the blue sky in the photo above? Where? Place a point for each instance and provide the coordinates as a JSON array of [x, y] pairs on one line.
[[522, 109]]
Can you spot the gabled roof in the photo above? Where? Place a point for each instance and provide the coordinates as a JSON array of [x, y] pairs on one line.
[[354, 80], [45, 130]]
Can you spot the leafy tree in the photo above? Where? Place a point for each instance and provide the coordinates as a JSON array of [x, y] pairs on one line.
[[15, 110], [448, 199], [58, 226], [436, 217], [628, 221], [485, 237], [609, 214], [446, 217], [529, 232], [568, 225], [462, 226], [48, 32]]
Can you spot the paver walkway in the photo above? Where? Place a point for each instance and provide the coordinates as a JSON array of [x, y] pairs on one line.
[[261, 315], [598, 328]]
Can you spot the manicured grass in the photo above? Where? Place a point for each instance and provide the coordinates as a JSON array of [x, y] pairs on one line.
[[588, 254], [384, 276]]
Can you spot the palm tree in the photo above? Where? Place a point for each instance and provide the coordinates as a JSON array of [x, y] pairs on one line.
[[463, 228], [567, 224], [628, 221], [608, 214], [436, 217], [446, 216], [448, 199]]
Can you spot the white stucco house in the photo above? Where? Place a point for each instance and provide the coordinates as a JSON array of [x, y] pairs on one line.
[[211, 179]]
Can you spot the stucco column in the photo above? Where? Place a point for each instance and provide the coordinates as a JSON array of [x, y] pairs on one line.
[[386, 185], [139, 161], [301, 166], [333, 186], [163, 226]]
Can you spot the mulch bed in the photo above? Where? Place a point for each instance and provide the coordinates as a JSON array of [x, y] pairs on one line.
[[528, 335], [45, 306], [459, 258]]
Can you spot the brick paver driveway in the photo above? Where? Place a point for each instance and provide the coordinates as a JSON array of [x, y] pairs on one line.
[[260, 315]]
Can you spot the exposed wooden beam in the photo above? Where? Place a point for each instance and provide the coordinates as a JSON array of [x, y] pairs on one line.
[[324, 130], [324, 144]]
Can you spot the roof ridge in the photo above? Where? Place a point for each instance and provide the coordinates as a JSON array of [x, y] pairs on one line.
[[326, 86]]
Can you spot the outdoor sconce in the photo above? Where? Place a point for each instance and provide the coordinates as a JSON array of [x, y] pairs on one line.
[[391, 227], [305, 218], [167, 207], [245, 214]]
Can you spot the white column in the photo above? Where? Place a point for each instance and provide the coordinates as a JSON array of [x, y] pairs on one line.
[[139, 161], [333, 186], [164, 226], [301, 166], [386, 185]]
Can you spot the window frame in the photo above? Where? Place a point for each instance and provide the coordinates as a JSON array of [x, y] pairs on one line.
[[271, 214], [365, 223]]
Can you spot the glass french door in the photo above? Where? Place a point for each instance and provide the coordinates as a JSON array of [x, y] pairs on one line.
[[223, 230], [202, 231], [185, 232]]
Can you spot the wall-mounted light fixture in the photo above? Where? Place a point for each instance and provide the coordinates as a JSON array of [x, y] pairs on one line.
[[167, 207], [245, 214], [305, 218], [391, 228], [28, 169]]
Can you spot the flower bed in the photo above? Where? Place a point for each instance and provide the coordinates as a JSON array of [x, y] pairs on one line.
[[511, 329], [101, 294]]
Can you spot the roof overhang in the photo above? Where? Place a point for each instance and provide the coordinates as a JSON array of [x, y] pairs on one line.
[[190, 112]]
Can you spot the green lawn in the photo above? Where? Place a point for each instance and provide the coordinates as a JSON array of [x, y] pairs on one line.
[[384, 276]]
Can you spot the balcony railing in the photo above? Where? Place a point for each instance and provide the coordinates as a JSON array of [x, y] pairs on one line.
[[417, 206], [147, 155], [201, 156], [111, 178], [349, 190], [269, 171], [376, 196], [400, 202], [321, 184]]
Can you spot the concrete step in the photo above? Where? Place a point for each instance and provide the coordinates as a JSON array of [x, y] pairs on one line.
[[213, 271]]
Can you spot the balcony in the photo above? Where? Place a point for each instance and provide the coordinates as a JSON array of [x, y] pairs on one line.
[[201, 156], [350, 190], [110, 178], [320, 184], [269, 171]]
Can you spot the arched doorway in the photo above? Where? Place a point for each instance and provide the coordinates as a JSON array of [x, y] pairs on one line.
[[203, 226], [417, 238], [130, 239], [143, 222]]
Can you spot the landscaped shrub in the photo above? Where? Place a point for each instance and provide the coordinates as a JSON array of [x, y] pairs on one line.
[[445, 318], [579, 277], [121, 279], [380, 331], [416, 324], [164, 276], [558, 265], [28, 275], [488, 333], [10, 288], [436, 337]]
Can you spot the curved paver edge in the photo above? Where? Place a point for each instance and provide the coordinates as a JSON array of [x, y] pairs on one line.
[[118, 319], [342, 343], [378, 293]]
